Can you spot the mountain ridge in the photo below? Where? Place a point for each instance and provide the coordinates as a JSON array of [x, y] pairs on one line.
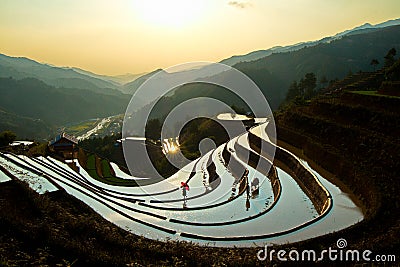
[[255, 55], [42, 104], [22, 67], [118, 80]]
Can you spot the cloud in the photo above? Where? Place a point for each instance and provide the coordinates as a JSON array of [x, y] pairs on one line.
[[239, 4]]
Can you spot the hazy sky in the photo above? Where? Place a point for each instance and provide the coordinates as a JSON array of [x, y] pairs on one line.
[[135, 36]]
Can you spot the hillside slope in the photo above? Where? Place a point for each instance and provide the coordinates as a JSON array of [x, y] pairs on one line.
[[355, 136], [21, 67], [332, 60], [31, 98], [255, 55]]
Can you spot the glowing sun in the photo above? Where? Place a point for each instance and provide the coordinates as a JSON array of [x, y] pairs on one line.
[[171, 13]]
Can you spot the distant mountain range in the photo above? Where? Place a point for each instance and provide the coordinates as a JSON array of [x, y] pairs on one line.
[[131, 87], [118, 80], [333, 60], [42, 97], [21, 67], [255, 55], [48, 107]]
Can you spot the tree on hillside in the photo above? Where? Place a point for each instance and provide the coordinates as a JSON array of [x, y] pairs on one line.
[[6, 138], [302, 90], [293, 91], [374, 63], [333, 81], [307, 85], [350, 73], [389, 58], [393, 73], [323, 81], [153, 129]]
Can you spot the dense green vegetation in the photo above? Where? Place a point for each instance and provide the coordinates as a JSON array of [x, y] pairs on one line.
[[106, 169], [6, 138], [106, 147], [197, 130], [34, 150], [389, 58], [44, 104], [91, 167], [96, 155], [60, 106], [101, 170], [373, 93], [81, 128], [386, 80], [25, 127], [302, 90]]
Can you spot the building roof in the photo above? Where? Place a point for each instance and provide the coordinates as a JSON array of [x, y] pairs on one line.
[[70, 138]]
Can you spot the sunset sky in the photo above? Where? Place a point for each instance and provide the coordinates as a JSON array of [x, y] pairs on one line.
[[135, 36]]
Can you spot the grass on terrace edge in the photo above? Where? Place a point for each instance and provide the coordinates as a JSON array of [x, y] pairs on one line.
[[373, 93], [107, 178]]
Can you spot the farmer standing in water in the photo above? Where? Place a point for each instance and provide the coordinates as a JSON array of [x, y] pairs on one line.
[[185, 187]]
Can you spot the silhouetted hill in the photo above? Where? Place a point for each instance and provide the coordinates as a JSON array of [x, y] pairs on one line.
[[20, 68], [52, 106], [131, 87], [332, 60], [255, 55], [116, 79], [25, 127]]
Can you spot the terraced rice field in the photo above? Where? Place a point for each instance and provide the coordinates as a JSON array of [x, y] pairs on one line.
[[241, 206]]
